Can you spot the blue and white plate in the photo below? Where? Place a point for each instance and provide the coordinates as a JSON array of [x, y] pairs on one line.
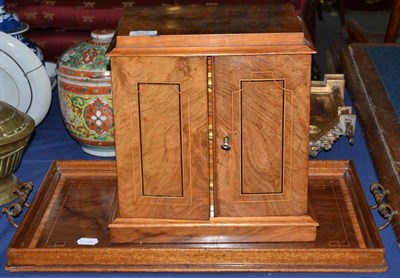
[[24, 81]]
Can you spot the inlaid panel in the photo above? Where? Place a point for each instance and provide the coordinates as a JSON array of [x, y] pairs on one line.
[[160, 120], [162, 137], [263, 110], [261, 123]]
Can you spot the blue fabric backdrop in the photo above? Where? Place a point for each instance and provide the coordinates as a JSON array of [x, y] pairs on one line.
[[387, 63], [52, 142]]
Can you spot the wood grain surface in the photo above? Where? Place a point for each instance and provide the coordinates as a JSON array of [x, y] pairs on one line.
[[259, 102], [264, 108], [74, 201], [211, 30], [161, 119], [378, 118]]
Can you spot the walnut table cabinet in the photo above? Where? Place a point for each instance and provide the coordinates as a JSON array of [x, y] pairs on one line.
[[211, 110]]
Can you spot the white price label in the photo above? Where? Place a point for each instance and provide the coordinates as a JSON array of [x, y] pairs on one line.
[[87, 241], [143, 33]]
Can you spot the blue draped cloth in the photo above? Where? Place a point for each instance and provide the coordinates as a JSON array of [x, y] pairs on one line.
[[387, 63], [52, 142]]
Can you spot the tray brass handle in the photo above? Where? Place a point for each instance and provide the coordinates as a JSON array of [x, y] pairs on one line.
[[15, 209], [385, 210], [226, 145]]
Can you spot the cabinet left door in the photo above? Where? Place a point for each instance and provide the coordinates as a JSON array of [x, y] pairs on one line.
[[161, 123]]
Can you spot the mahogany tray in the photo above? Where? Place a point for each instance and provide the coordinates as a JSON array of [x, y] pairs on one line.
[[75, 201]]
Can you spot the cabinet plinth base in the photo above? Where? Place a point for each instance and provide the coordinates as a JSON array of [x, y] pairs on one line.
[[216, 230]]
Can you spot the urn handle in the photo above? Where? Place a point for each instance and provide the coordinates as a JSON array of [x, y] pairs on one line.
[[15, 209]]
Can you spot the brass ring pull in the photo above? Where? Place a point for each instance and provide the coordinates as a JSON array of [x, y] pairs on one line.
[[387, 213], [384, 209], [379, 193], [15, 209]]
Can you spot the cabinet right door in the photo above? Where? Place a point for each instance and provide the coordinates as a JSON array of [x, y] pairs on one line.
[[261, 125]]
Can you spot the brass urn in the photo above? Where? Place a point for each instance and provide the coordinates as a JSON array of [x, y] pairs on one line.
[[15, 131]]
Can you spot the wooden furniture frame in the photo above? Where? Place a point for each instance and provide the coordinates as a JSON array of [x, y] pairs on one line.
[[382, 130], [359, 35], [224, 71], [393, 26]]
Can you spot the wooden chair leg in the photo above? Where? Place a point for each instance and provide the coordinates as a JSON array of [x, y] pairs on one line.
[[393, 25]]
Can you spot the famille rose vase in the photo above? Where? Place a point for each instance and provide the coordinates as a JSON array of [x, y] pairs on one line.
[[84, 88]]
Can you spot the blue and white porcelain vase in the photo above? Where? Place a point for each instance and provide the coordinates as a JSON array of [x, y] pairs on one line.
[[10, 24]]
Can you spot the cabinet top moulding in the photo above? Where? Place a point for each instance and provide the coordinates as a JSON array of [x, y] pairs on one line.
[[212, 30]]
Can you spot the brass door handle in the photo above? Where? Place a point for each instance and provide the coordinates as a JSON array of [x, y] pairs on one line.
[[226, 145]]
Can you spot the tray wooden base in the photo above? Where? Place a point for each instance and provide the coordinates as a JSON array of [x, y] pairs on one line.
[[76, 201]]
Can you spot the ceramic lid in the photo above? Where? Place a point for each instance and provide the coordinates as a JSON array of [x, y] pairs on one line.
[[14, 125], [87, 59], [10, 23]]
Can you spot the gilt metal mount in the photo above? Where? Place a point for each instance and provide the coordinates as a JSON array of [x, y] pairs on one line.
[[330, 117]]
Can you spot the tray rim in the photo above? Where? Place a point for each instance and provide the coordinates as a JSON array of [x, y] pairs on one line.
[[185, 259]]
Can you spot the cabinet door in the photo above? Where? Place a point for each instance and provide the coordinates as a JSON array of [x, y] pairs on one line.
[[262, 116], [160, 107]]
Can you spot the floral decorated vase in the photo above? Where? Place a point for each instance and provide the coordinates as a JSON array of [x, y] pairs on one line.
[[84, 88], [11, 25]]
